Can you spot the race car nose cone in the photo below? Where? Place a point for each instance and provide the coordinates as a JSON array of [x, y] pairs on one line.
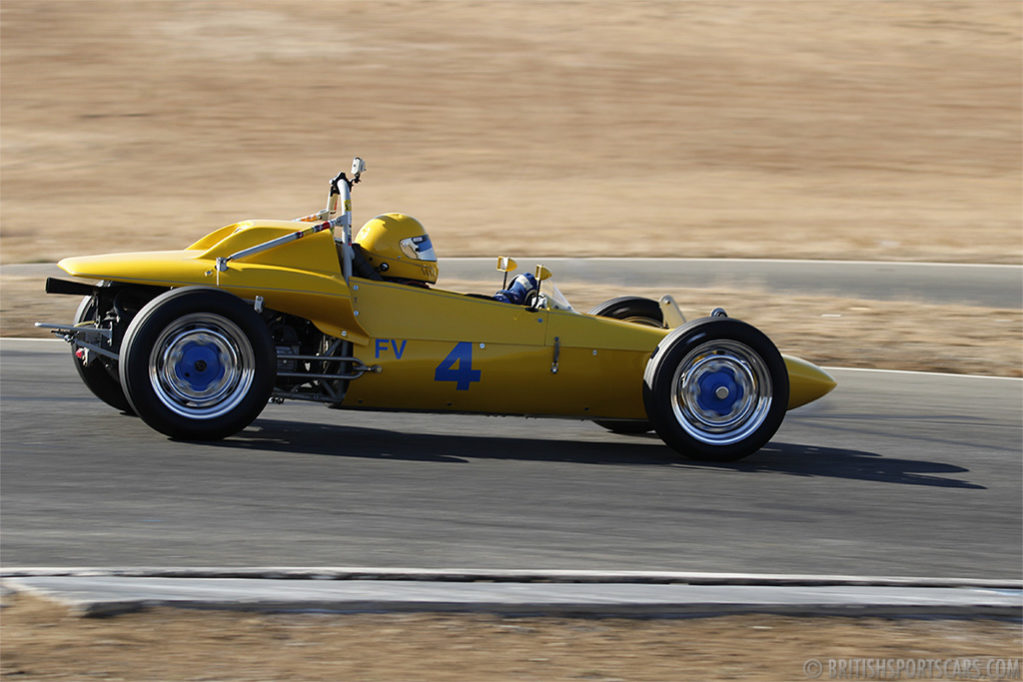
[[807, 381]]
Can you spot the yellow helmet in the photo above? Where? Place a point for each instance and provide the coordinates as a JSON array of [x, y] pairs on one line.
[[398, 247]]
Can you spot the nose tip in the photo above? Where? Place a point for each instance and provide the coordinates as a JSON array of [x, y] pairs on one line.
[[807, 382]]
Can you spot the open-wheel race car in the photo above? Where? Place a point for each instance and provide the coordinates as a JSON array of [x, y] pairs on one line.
[[197, 341]]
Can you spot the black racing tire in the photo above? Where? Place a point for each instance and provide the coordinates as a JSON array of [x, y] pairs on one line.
[[96, 377], [631, 309], [198, 364], [640, 311], [716, 389]]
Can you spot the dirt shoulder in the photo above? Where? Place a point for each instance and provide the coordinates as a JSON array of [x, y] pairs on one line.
[[43, 641]]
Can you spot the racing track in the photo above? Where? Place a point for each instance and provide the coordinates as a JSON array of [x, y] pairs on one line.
[[892, 474]]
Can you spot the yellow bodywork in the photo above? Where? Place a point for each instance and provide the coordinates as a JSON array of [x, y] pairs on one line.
[[432, 350], [302, 278]]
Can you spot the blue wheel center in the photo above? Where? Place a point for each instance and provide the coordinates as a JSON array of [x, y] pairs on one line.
[[199, 366], [710, 396]]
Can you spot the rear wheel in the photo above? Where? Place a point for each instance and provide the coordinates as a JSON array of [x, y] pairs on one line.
[[96, 376], [198, 364], [638, 310], [716, 389]]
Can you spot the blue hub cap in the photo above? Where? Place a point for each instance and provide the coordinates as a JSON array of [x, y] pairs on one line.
[[721, 392], [201, 366]]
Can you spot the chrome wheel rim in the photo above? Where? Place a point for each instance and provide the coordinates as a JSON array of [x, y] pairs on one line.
[[721, 392], [201, 366]]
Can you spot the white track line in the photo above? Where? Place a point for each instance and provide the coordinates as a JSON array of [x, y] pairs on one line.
[[5, 339], [790, 261], [644, 259], [933, 374]]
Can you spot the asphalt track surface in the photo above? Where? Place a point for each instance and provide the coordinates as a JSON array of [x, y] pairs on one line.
[[995, 286], [892, 474]]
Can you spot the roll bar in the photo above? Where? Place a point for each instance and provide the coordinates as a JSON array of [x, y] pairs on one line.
[[340, 189]]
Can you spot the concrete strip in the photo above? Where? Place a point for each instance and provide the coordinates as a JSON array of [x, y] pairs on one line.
[[509, 576], [109, 595]]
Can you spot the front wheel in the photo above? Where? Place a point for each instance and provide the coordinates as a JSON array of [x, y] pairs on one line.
[[716, 389], [197, 364]]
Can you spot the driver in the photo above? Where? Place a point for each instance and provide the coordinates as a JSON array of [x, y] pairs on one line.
[[396, 248], [522, 290]]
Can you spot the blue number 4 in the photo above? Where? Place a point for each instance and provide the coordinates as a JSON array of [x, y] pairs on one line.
[[465, 374]]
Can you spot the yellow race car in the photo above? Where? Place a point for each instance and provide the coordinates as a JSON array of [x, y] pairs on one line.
[[197, 341]]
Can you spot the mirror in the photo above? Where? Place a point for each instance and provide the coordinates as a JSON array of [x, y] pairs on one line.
[[506, 265], [541, 273], [358, 166]]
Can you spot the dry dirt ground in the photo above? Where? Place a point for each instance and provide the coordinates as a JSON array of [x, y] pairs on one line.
[[43, 642], [795, 128]]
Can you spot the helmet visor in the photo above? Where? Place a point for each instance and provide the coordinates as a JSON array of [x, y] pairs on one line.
[[418, 248]]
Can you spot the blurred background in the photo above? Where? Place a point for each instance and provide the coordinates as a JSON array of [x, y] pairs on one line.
[[830, 129], [816, 128]]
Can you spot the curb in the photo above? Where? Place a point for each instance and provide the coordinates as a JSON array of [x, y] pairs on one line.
[[102, 592]]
